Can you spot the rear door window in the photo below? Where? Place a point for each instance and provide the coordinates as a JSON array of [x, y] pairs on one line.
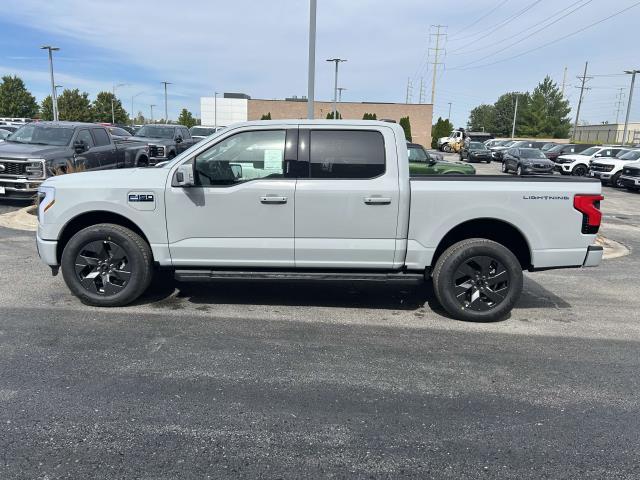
[[346, 154], [101, 137]]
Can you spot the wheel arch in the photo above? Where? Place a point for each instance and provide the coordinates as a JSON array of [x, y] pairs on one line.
[[88, 219], [500, 231]]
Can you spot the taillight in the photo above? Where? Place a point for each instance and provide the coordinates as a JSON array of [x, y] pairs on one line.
[[589, 206]]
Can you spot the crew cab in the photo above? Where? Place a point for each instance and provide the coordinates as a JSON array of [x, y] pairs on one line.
[[165, 141], [314, 200], [41, 149], [609, 170], [577, 164]]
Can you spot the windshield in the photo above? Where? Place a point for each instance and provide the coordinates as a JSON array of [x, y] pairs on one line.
[[155, 132], [477, 145], [632, 155], [42, 135], [417, 154], [4, 134], [557, 148], [119, 132], [590, 151], [548, 146], [531, 153], [202, 131], [508, 143]]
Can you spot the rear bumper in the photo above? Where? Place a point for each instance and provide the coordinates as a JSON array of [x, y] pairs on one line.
[[594, 256], [48, 251]]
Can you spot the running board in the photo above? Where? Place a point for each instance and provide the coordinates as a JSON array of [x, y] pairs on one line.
[[304, 276]]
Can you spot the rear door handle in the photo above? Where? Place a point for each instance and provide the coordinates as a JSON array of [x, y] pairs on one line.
[[377, 200], [273, 199]]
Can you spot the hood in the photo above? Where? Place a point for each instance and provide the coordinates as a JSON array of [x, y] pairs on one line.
[[25, 150], [542, 161], [134, 178], [155, 141], [499, 148], [575, 156]]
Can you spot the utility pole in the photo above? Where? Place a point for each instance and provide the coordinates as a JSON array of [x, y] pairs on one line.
[[619, 103], [584, 78], [166, 114], [564, 80], [54, 96], [449, 116], [409, 90], [132, 110], [515, 116], [435, 60], [313, 4], [215, 110], [340, 89], [335, 85], [151, 106], [421, 100], [113, 99], [626, 120]]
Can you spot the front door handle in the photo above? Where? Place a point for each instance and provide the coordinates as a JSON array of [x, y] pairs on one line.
[[377, 200], [273, 199]]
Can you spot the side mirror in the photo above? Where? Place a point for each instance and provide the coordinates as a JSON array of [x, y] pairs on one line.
[[178, 139], [79, 146], [184, 176], [598, 155], [236, 169]]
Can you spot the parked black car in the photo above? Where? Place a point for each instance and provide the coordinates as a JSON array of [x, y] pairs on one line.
[[40, 149], [475, 152], [566, 149], [165, 140], [526, 161]]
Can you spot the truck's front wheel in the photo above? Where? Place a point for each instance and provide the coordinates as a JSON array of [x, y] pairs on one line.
[[477, 280], [107, 265]]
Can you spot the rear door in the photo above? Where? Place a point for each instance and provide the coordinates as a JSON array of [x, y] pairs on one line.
[[347, 209], [104, 150]]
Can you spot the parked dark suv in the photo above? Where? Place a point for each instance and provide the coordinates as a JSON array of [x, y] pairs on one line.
[[566, 149], [165, 140]]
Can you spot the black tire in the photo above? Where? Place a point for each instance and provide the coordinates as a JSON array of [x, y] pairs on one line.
[[504, 168], [519, 171], [107, 265], [614, 181], [473, 297], [142, 162], [579, 171]]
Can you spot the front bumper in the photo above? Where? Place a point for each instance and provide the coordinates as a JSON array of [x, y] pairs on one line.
[[48, 251], [530, 170], [630, 182], [19, 188], [603, 176], [564, 168], [594, 256]]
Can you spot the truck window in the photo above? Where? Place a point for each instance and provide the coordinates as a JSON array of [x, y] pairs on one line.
[[100, 137], [346, 154], [185, 134], [242, 157], [85, 136]]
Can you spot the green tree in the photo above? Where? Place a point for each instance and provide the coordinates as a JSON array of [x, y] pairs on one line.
[[482, 118], [266, 117], [15, 99], [46, 109], [369, 116], [75, 106], [102, 109], [186, 118], [330, 115], [442, 128], [504, 109], [547, 112], [405, 123]]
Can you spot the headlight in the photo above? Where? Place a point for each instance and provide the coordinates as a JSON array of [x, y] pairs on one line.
[[46, 200], [35, 168]]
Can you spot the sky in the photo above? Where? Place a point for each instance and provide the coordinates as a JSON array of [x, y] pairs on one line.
[[260, 47]]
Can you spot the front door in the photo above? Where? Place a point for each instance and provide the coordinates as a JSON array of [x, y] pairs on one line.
[[347, 210], [241, 211], [90, 158]]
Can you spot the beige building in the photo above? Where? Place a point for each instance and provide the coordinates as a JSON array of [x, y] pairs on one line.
[[239, 107], [420, 115], [607, 133]]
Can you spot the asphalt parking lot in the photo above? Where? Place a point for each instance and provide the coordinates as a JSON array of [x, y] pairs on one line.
[[309, 381]]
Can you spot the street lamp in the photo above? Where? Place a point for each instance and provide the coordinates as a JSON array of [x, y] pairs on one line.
[[335, 85], [166, 115], [626, 120], [54, 97], [151, 106], [340, 89], [215, 110], [311, 80], [515, 116], [132, 98], [113, 98]]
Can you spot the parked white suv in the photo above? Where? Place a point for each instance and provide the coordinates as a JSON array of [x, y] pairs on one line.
[[609, 170], [578, 163]]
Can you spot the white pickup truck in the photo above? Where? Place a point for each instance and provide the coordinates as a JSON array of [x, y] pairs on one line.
[[314, 200]]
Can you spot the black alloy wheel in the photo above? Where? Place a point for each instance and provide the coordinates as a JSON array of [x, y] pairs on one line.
[[519, 170], [481, 283], [103, 267], [615, 181], [579, 171]]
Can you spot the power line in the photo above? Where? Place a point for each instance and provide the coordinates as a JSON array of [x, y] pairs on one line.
[[619, 103], [481, 18], [554, 41]]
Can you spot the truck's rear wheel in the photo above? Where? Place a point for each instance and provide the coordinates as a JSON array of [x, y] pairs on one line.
[[107, 265], [477, 280]]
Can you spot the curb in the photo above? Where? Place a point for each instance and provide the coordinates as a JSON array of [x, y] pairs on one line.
[[612, 249], [20, 220]]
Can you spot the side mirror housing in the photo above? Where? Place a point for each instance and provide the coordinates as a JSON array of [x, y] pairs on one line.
[[79, 146], [184, 176], [178, 139]]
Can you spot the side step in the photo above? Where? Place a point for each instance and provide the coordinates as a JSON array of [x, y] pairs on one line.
[[199, 275]]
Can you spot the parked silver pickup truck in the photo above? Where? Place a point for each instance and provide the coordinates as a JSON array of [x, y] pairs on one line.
[[314, 200]]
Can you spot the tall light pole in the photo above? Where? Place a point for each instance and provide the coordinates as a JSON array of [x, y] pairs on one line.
[[215, 110], [151, 107], [340, 89], [54, 97], [626, 120], [515, 116], [335, 85], [166, 114], [449, 116], [313, 4], [113, 100], [132, 111]]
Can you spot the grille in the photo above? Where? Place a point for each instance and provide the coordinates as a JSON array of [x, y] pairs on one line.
[[12, 168], [601, 168], [631, 172], [541, 165], [156, 151]]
